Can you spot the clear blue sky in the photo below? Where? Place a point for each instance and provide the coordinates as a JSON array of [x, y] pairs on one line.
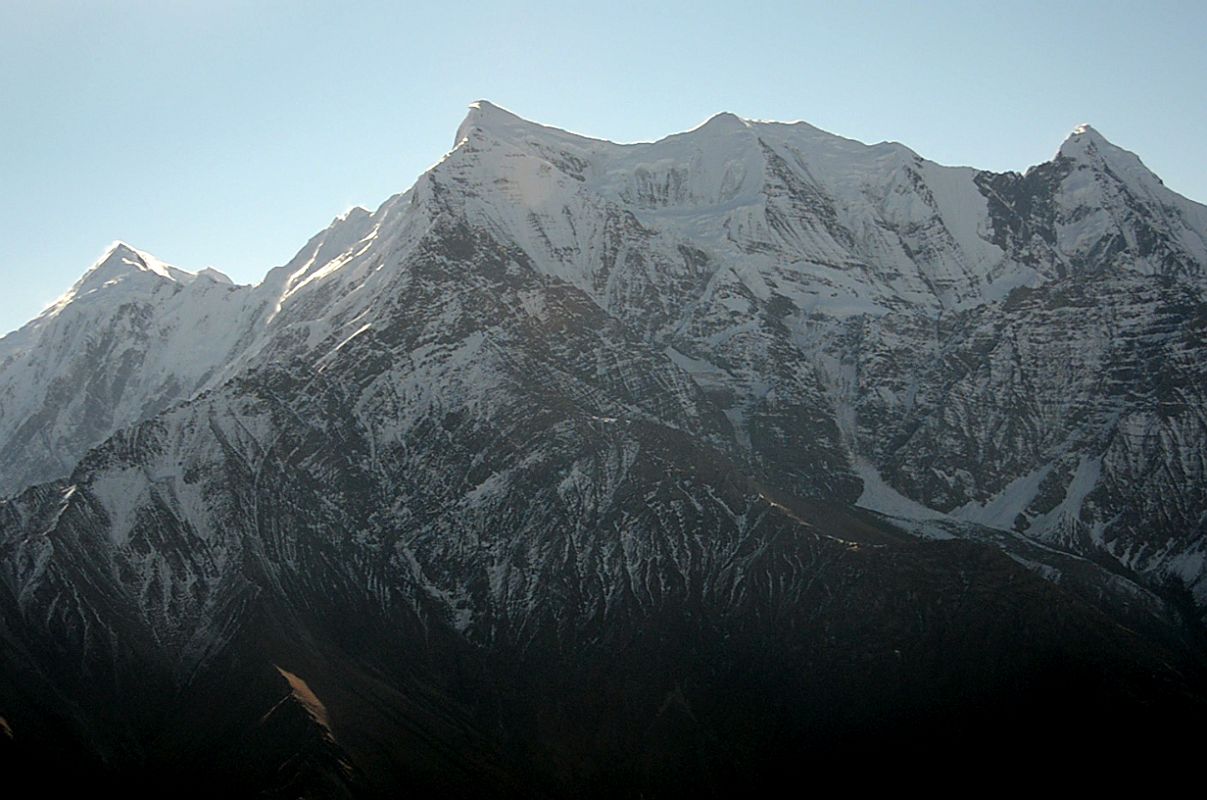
[[226, 132]]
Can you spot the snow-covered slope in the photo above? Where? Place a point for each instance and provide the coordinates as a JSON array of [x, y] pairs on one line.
[[820, 291], [790, 209], [564, 394], [132, 337], [828, 296], [135, 336]]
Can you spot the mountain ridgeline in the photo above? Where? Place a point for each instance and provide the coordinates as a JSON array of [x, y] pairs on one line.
[[591, 469]]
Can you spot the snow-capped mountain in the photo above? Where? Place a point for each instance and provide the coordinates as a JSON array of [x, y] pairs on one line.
[[132, 337], [572, 421]]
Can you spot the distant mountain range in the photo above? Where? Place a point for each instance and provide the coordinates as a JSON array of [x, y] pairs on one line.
[[591, 469]]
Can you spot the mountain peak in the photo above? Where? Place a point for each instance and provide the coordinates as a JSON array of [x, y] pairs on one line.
[[485, 115], [120, 258], [498, 123], [1086, 146], [1083, 139], [724, 122], [487, 107], [355, 212], [119, 262], [215, 275], [118, 252]]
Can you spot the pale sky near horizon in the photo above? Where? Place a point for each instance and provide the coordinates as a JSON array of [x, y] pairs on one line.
[[225, 133]]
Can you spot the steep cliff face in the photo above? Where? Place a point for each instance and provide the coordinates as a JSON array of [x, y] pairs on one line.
[[558, 470]]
